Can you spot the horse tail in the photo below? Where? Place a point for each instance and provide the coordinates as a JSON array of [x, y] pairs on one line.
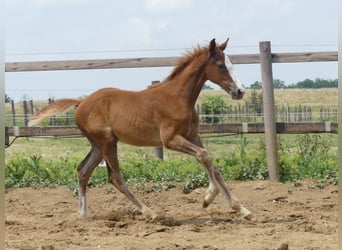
[[57, 107]]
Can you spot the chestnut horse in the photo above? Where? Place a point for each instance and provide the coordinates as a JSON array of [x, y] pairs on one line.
[[161, 115]]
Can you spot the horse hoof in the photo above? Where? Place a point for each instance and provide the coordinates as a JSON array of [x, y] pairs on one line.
[[205, 204], [83, 214], [83, 217], [152, 218], [149, 214], [249, 217]]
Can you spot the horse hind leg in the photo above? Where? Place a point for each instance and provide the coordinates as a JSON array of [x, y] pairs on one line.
[[116, 178], [84, 171]]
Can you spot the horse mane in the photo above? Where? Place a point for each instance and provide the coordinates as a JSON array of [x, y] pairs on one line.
[[154, 85], [196, 57]]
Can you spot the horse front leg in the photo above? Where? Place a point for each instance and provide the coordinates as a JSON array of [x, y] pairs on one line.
[[210, 194], [213, 189], [232, 199], [216, 181]]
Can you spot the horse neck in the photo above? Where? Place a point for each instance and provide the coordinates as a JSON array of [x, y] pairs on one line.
[[188, 84]]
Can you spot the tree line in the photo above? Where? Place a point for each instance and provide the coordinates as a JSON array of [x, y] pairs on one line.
[[306, 84], [277, 84]]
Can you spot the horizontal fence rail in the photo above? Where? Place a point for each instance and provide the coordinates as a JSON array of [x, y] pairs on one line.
[[282, 127], [232, 119], [161, 61]]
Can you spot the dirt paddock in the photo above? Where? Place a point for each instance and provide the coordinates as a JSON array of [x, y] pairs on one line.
[[287, 217]]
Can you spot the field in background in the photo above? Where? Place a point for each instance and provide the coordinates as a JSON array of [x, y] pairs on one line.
[[326, 97]]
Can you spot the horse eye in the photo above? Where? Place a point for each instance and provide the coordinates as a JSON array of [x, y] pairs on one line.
[[222, 66]]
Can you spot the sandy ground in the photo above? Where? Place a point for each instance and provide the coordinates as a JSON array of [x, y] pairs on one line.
[[287, 217]]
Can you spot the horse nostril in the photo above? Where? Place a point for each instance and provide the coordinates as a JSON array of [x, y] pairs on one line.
[[237, 93], [241, 92]]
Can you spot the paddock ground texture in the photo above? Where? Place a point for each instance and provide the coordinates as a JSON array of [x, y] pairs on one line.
[[288, 216]]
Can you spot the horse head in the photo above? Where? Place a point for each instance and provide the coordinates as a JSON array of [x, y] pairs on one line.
[[220, 70]]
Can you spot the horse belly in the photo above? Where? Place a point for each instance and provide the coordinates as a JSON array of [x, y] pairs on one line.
[[138, 136]]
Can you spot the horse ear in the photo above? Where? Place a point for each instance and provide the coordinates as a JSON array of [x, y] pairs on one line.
[[224, 45], [212, 47]]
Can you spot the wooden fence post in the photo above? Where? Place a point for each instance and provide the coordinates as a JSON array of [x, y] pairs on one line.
[[13, 113], [7, 143], [52, 118], [25, 108], [269, 112], [340, 129], [31, 107], [158, 151]]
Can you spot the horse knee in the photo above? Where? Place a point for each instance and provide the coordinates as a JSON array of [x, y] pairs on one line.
[[118, 182], [112, 180], [204, 158]]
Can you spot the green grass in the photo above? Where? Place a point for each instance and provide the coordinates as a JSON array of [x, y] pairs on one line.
[[52, 162]]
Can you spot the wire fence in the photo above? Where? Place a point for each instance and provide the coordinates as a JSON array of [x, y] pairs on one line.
[[19, 114]]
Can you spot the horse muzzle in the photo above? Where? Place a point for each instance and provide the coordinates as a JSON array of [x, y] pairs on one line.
[[238, 93]]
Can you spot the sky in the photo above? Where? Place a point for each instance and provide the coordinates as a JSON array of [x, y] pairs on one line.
[[37, 30]]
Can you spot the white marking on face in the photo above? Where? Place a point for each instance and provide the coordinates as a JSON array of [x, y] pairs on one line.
[[231, 71]]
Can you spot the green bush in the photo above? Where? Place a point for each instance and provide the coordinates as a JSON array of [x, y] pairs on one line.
[[254, 101], [24, 171], [244, 164], [309, 158], [212, 106]]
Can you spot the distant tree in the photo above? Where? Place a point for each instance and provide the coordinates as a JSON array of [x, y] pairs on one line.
[[279, 84], [206, 86], [315, 84], [335, 83], [254, 101], [7, 99], [305, 84], [256, 85], [323, 83]]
